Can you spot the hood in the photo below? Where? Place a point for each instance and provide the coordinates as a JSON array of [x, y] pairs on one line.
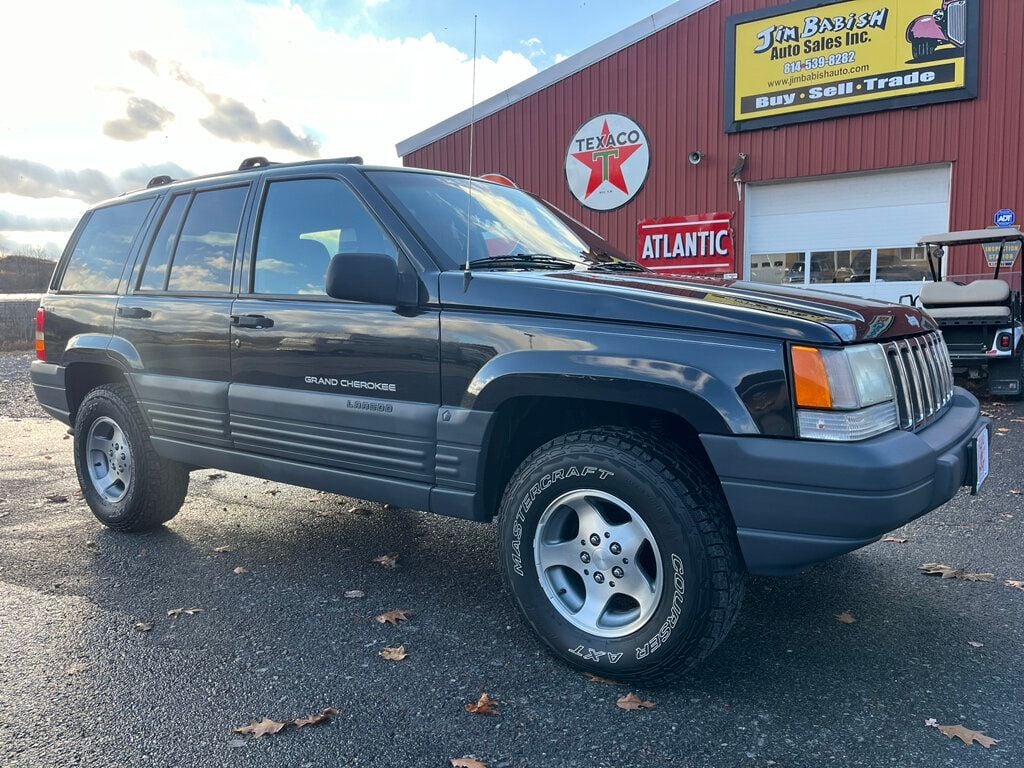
[[729, 306]]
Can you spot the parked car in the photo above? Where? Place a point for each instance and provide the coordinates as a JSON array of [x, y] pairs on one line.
[[643, 440]]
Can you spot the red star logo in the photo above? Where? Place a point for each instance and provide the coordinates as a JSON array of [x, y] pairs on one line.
[[605, 163]]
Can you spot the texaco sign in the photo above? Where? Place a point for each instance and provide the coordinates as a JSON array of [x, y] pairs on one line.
[[607, 161]]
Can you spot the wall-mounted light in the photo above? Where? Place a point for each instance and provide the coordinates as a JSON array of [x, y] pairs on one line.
[[695, 157]]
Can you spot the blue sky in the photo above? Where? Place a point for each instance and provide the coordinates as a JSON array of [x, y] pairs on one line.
[[562, 26], [129, 90]]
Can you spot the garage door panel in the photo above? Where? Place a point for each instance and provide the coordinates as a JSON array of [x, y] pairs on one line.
[[871, 211]]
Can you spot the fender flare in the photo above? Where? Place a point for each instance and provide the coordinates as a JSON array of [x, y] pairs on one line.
[[687, 391]]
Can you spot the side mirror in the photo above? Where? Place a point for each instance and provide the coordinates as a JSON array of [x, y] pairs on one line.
[[371, 278]]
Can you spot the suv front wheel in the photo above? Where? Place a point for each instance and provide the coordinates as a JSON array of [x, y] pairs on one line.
[[126, 484], [620, 553]]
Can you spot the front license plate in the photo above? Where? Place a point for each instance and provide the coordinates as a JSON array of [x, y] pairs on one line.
[[981, 458]]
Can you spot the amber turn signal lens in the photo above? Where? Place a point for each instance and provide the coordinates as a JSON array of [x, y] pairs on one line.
[[811, 378]]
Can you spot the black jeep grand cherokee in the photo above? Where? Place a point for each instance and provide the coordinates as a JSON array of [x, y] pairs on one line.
[[643, 440]]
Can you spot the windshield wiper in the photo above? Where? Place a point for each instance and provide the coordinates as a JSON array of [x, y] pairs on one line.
[[617, 266], [523, 261]]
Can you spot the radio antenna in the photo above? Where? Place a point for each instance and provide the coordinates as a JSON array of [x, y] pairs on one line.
[[469, 201]]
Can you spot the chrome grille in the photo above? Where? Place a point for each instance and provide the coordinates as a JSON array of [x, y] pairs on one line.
[[923, 375], [956, 22]]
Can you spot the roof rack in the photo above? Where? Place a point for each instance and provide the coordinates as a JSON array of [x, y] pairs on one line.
[[254, 162], [159, 181], [352, 160]]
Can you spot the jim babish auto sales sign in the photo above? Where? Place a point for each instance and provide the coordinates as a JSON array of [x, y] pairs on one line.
[[811, 61]]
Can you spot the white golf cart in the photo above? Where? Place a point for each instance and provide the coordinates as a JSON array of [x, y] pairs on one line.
[[981, 321]]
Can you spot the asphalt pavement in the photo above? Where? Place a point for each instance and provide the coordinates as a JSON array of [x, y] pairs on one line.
[[792, 686]]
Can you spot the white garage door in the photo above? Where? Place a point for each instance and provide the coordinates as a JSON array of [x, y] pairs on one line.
[[851, 234]]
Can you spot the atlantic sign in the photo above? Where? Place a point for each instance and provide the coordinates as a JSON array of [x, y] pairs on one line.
[[606, 162], [811, 61], [687, 245]]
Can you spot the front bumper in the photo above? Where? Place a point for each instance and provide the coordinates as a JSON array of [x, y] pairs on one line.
[[798, 502]]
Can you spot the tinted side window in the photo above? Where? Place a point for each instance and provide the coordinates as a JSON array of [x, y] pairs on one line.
[[206, 249], [101, 251], [154, 277], [304, 223]]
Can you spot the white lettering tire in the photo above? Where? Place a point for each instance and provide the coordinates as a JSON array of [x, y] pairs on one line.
[[619, 551]]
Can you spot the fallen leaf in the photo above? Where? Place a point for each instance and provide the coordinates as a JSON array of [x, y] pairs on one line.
[[1014, 584], [631, 701], [77, 667], [223, 549], [323, 717], [239, 570], [895, 540], [176, 612], [142, 626], [949, 572], [353, 594], [387, 561], [361, 511], [91, 544], [846, 617], [262, 728], [393, 617], [598, 679], [56, 498], [1002, 431], [975, 644], [467, 762], [394, 654], [1016, 491], [273, 491], [484, 706], [216, 476], [966, 735]]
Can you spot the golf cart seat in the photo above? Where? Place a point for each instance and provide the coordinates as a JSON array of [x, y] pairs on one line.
[[982, 299]]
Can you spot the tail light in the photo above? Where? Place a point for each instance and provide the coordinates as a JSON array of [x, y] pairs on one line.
[[1005, 342], [41, 334]]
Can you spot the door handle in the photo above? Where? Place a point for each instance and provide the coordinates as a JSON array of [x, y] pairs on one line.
[[135, 313], [251, 321]]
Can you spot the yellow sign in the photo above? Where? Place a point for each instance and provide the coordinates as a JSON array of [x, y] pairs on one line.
[[813, 61]]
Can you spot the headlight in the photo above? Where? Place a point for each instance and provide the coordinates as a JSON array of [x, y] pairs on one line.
[[843, 394]]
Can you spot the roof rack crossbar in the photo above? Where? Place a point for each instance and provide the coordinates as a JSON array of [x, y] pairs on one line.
[[254, 162]]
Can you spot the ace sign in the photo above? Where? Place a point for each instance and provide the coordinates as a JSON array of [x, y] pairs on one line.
[[701, 244]]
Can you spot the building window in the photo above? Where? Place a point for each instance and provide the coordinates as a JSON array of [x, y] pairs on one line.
[[856, 265], [773, 268], [903, 264]]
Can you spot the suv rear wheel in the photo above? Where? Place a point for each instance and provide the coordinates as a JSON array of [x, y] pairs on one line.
[[125, 483], [620, 553]]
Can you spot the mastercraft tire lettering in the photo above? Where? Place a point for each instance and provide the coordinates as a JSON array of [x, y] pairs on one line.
[[619, 551]]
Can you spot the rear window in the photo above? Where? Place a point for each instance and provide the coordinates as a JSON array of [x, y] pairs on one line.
[[205, 253], [98, 258]]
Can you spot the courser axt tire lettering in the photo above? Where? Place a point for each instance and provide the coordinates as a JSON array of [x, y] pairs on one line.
[[614, 494], [126, 484]]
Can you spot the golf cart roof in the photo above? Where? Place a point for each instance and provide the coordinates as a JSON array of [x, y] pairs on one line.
[[975, 237]]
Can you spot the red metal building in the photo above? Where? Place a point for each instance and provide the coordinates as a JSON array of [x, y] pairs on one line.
[[917, 131]]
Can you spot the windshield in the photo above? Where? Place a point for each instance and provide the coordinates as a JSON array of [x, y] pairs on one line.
[[504, 220]]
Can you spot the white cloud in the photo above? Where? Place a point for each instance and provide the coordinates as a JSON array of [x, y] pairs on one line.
[[351, 93]]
